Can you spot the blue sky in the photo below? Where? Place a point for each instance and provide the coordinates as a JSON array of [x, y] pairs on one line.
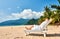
[[7, 7]]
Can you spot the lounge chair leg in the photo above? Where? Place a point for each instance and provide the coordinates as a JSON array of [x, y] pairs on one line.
[[29, 32], [26, 33], [44, 34]]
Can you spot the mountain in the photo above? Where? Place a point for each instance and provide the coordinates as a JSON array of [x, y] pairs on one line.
[[14, 22]]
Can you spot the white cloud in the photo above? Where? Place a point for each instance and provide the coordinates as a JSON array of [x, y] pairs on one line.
[[28, 14], [25, 14]]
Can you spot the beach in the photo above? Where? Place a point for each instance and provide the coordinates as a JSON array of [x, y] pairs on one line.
[[17, 32]]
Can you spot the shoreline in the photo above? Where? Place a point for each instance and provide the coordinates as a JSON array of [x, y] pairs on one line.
[[22, 25], [17, 26]]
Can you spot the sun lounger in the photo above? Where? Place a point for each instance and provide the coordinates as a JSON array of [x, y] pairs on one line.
[[43, 29]]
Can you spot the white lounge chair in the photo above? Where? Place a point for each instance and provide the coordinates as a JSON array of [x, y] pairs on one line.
[[43, 30]]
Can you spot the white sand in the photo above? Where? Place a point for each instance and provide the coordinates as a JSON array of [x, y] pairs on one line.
[[17, 32]]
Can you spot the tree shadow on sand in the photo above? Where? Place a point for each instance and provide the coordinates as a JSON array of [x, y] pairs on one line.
[[48, 35]]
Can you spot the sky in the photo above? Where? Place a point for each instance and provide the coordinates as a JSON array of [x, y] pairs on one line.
[[26, 9]]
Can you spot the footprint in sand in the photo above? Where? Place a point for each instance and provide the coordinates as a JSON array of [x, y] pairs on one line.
[[18, 38]]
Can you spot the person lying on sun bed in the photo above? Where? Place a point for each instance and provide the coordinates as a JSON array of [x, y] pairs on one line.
[[40, 26]]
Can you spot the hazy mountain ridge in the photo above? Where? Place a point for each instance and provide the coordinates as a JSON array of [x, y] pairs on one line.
[[15, 22]]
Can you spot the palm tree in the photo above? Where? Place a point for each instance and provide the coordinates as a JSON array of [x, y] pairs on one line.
[[57, 15], [48, 13]]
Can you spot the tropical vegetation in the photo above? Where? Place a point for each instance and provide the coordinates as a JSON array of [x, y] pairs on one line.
[[49, 13]]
